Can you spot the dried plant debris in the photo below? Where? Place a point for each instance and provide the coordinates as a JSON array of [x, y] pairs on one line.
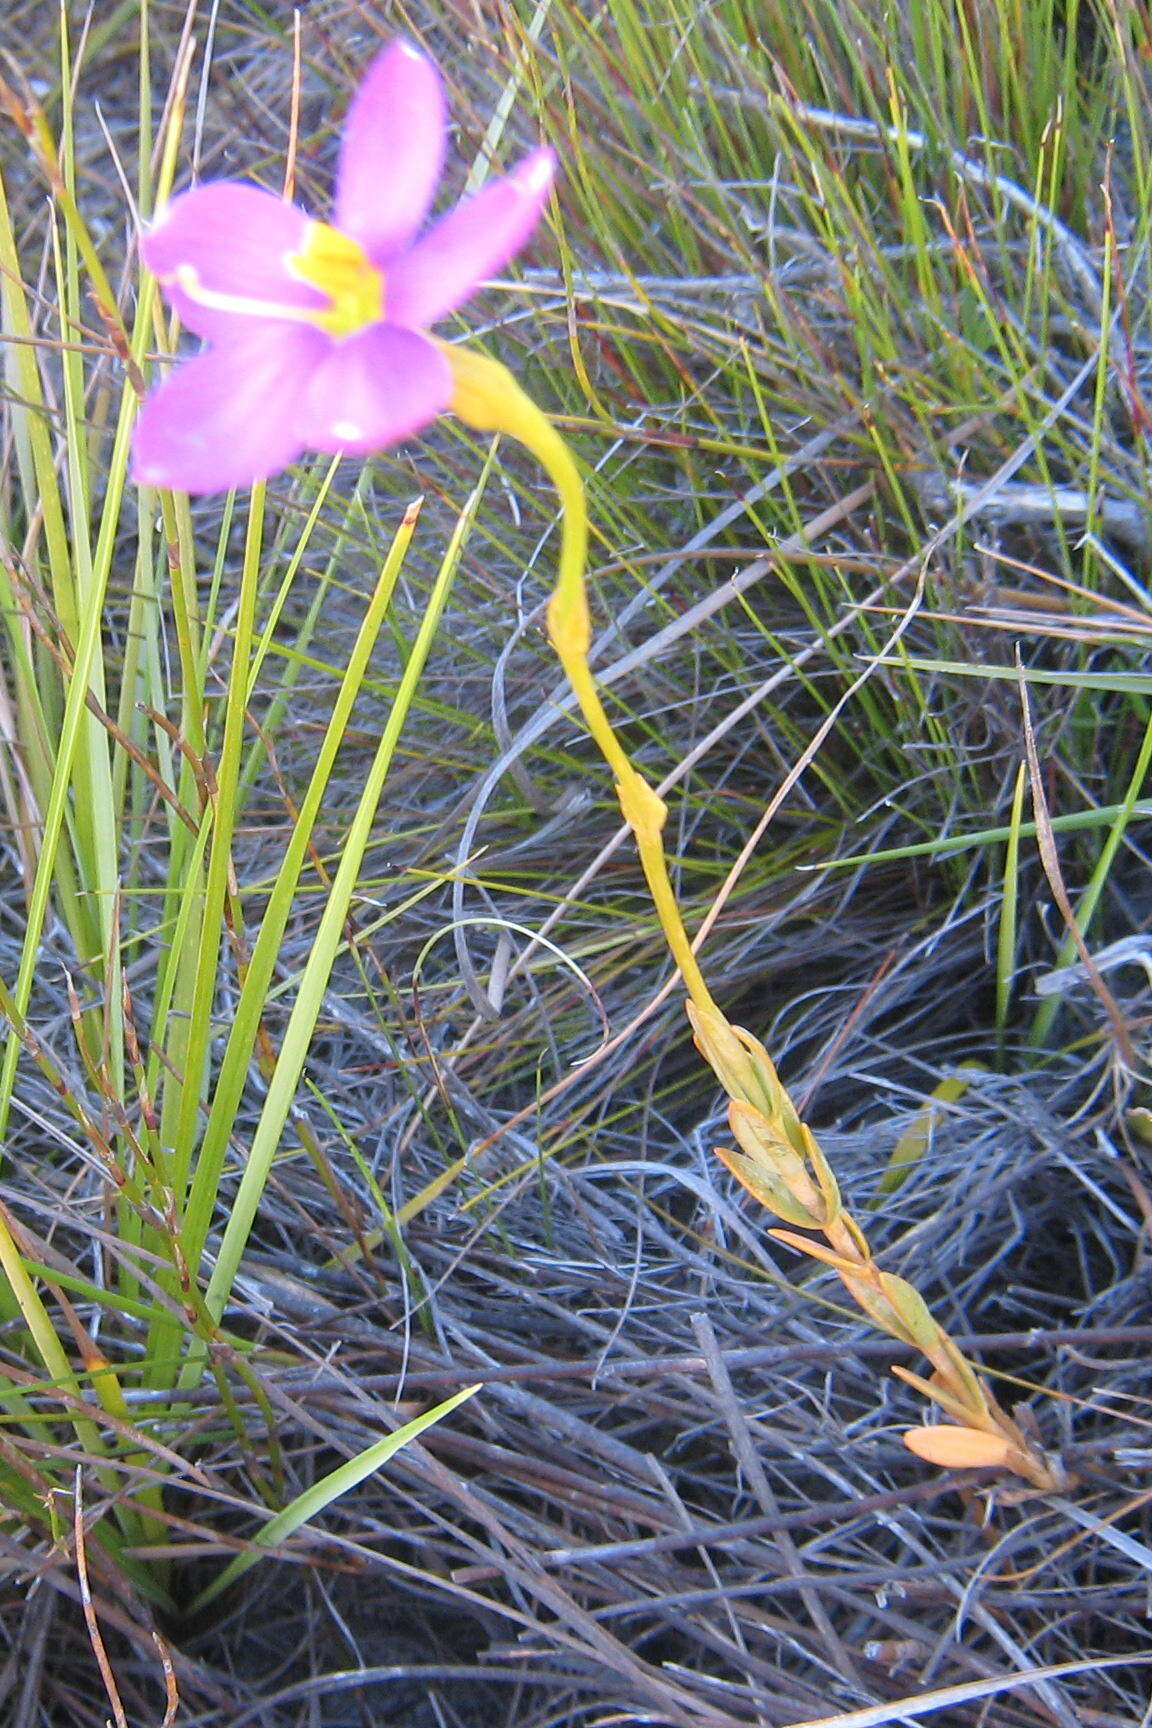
[[681, 1496]]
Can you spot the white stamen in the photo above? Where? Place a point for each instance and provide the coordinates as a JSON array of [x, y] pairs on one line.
[[538, 176], [348, 430], [186, 277]]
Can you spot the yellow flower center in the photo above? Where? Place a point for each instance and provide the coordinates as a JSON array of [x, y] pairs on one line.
[[340, 268]]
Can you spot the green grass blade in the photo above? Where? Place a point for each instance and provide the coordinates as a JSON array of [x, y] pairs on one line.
[[324, 1493]]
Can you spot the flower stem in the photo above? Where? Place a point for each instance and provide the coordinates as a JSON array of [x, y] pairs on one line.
[[779, 1161], [489, 399]]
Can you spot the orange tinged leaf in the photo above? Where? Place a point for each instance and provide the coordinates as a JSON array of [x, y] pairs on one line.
[[957, 1448]]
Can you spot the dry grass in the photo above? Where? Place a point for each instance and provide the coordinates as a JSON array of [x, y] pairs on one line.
[[681, 1496]]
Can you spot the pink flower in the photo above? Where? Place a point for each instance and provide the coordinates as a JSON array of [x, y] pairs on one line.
[[317, 334]]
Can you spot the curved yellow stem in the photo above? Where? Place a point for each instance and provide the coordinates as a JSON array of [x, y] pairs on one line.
[[779, 1160], [488, 398]]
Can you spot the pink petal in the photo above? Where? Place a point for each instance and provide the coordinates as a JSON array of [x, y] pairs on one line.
[[236, 238], [374, 389], [392, 151], [469, 244], [229, 417]]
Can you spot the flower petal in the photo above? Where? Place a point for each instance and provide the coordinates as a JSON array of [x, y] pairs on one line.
[[374, 389], [392, 151], [235, 240], [229, 417], [469, 244]]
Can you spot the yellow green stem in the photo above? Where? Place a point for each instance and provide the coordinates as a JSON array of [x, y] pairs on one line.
[[488, 398], [779, 1160]]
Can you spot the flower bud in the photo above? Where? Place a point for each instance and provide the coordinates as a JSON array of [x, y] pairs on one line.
[[772, 1169]]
